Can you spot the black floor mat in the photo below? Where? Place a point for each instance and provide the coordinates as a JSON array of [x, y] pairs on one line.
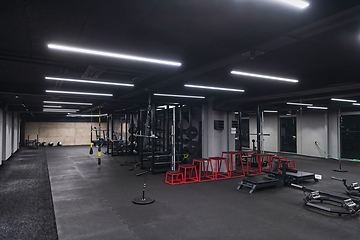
[[26, 206]]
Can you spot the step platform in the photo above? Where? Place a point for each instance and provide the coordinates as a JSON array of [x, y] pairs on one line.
[[257, 182]]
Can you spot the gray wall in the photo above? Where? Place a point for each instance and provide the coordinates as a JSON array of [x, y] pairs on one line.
[[271, 126], [9, 134], [216, 141], [312, 126]]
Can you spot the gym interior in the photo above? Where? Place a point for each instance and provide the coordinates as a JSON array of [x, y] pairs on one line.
[[180, 119]]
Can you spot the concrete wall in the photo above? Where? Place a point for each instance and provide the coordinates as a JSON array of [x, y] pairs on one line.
[[69, 133], [271, 126]]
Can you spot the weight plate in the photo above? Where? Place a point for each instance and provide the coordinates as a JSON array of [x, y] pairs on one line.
[[192, 147], [191, 132]]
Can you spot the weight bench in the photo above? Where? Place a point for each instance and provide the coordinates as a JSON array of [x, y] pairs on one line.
[[274, 178]]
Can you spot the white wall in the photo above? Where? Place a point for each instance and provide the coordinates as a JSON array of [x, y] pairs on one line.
[[9, 134], [271, 126], [312, 126], [16, 130]]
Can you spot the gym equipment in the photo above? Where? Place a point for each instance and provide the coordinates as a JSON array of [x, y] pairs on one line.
[[275, 178], [59, 144], [100, 145], [44, 144], [51, 144], [352, 189], [191, 132], [339, 159], [91, 143], [31, 144], [337, 204], [143, 200]]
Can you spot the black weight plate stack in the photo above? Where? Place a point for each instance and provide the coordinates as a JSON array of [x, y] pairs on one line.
[[191, 132]]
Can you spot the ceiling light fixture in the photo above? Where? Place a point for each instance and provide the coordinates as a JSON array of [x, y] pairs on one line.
[[85, 115], [214, 88], [59, 110], [300, 104], [297, 3], [172, 95], [80, 93], [270, 111], [356, 104], [325, 108], [52, 106], [87, 81], [114, 55], [343, 100], [74, 103], [264, 76]]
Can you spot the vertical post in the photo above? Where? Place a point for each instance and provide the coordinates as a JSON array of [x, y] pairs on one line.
[[258, 129], [99, 148], [240, 131], [126, 133], [180, 152], [168, 132], [141, 142], [173, 136], [108, 134], [163, 130], [153, 139]]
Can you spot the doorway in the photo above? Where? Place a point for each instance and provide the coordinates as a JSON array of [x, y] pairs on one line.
[[288, 134]]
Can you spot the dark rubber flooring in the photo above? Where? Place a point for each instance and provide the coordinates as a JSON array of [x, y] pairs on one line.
[[95, 202], [26, 206]]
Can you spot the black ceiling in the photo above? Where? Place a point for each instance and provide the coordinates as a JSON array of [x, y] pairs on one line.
[[318, 45]]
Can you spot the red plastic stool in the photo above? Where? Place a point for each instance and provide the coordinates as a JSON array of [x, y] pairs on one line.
[[188, 173], [173, 174]]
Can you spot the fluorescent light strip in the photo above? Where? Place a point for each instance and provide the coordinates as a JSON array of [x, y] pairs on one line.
[[297, 3], [317, 107], [356, 104], [171, 95], [214, 88], [80, 93], [343, 100], [59, 110], [170, 106], [49, 106], [300, 104], [75, 103], [86, 115], [87, 81], [114, 55], [270, 111], [264, 76]]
